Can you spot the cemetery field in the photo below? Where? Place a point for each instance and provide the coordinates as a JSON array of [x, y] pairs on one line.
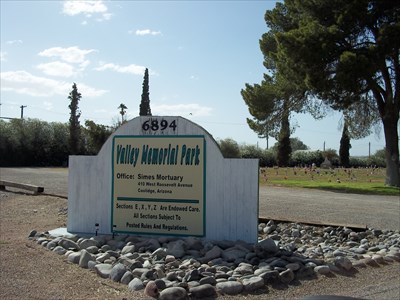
[[352, 180]]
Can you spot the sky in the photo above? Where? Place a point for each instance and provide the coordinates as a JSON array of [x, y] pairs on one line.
[[200, 55]]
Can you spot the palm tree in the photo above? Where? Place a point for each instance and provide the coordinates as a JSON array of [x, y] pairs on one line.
[[122, 108]]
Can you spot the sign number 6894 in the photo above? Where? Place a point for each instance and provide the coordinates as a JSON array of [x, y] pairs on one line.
[[155, 124]]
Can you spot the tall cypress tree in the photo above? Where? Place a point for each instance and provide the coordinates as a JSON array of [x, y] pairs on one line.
[[74, 125], [284, 148], [144, 108], [344, 150]]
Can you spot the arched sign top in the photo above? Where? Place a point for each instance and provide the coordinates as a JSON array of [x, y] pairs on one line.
[[163, 125]]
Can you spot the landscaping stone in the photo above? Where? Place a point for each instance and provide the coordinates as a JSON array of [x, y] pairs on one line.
[[135, 285], [86, 243], [85, 258], [68, 244], [183, 267], [151, 289], [74, 257], [59, 250], [343, 262], [229, 287], [253, 283], [323, 270], [173, 293], [127, 277], [103, 270], [286, 276], [117, 272], [203, 291]]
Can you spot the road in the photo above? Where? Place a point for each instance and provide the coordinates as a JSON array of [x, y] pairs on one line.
[[300, 205], [309, 205]]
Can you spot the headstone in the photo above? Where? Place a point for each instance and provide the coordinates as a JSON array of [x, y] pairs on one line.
[[163, 176], [326, 164]]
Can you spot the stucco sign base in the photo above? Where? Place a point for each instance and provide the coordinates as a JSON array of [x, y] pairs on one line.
[[203, 194]]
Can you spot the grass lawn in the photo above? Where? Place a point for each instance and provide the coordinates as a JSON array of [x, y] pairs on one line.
[[358, 181]]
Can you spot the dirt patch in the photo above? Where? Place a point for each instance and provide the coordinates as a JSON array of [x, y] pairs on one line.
[[30, 271]]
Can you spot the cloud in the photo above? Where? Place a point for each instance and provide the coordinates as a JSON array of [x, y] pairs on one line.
[[105, 17], [14, 42], [48, 105], [131, 69], [192, 109], [76, 7], [87, 8], [145, 32], [22, 82], [70, 55], [3, 56], [88, 91], [83, 65], [57, 68], [61, 69]]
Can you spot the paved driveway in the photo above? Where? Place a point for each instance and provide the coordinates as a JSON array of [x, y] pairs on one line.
[[54, 180], [309, 205], [299, 205]]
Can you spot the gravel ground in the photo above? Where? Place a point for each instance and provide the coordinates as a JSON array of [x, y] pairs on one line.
[[27, 271]]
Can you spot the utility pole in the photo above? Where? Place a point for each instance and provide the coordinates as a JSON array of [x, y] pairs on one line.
[[22, 111], [369, 149]]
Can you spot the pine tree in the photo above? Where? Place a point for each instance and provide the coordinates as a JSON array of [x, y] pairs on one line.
[[347, 54], [74, 125], [144, 108]]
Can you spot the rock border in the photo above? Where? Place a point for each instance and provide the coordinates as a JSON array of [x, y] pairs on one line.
[[182, 268]]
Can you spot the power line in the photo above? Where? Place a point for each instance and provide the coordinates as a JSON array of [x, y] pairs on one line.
[[8, 118]]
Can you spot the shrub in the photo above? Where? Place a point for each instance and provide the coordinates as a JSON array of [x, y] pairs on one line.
[[358, 162], [229, 148], [267, 157], [306, 158]]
